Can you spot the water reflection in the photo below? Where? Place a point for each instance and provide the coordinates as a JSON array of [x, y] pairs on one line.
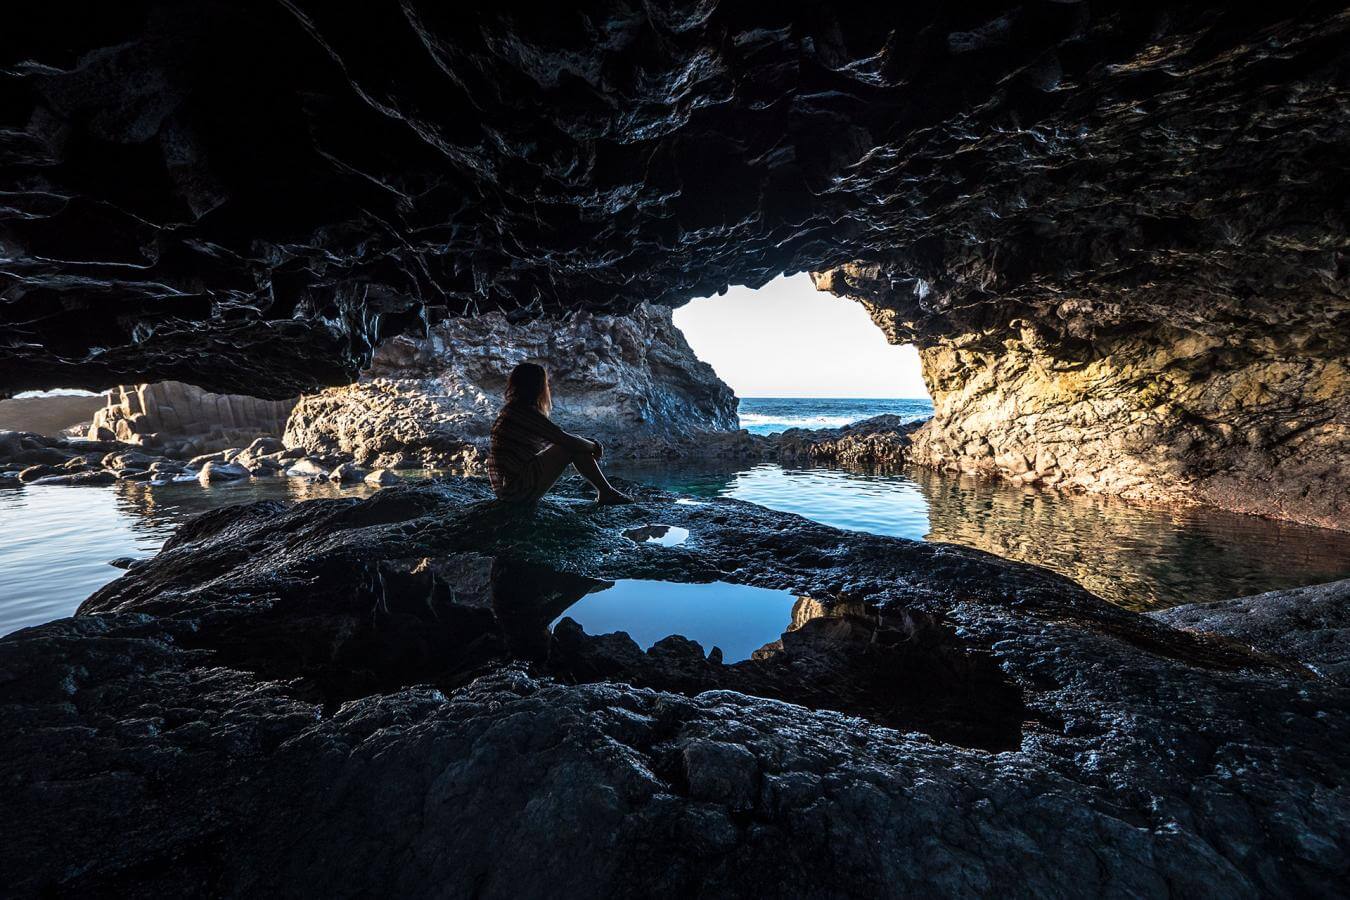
[[660, 535], [1139, 557], [56, 542], [736, 618]]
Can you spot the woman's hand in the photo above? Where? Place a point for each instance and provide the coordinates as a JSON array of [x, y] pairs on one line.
[[598, 449]]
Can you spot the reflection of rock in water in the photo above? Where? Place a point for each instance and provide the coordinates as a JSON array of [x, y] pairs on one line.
[[1138, 557], [158, 509], [364, 628], [899, 669], [662, 535]]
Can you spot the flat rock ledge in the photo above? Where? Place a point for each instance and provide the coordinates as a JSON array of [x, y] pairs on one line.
[[362, 697]]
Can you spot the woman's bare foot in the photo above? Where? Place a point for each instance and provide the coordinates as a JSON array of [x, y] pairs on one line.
[[612, 498]]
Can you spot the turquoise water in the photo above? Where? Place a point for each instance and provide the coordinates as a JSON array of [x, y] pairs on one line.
[[769, 415]]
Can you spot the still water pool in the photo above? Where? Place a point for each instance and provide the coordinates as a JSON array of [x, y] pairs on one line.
[[1140, 557], [737, 618], [55, 542]]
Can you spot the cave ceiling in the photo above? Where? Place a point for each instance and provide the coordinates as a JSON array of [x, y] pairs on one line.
[[249, 195]]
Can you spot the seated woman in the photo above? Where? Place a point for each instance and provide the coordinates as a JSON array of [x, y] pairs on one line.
[[529, 452]]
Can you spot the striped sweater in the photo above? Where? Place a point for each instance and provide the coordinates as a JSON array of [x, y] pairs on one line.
[[518, 435]]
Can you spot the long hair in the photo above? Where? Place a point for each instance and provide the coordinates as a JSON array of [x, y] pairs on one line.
[[527, 385]]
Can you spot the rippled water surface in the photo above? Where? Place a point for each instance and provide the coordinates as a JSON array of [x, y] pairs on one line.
[[769, 415], [55, 542]]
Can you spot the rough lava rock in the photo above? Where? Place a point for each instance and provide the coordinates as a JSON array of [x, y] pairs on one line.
[[630, 381], [382, 671], [1148, 391], [878, 443], [1310, 624], [250, 196]]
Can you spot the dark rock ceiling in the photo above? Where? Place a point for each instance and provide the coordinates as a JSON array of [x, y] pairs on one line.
[[248, 195]]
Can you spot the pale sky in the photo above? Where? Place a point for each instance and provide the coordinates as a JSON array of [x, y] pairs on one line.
[[789, 340]]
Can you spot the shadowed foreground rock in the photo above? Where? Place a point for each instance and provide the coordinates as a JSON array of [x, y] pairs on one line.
[[361, 697]]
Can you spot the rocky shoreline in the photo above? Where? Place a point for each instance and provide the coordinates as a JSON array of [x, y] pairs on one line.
[[29, 458], [380, 670]]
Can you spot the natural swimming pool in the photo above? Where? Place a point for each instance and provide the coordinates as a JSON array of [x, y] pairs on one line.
[[55, 542]]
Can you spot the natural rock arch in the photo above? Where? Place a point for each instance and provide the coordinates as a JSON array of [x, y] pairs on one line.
[[248, 197]]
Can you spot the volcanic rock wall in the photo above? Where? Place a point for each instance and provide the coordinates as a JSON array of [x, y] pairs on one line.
[[184, 419], [630, 381], [48, 415], [1247, 413]]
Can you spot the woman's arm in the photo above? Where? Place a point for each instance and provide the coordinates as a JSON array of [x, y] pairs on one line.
[[544, 427]]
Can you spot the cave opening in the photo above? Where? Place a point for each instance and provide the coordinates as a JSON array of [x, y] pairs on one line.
[[795, 355]]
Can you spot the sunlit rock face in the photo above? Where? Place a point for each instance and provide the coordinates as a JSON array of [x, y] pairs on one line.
[[1136, 393], [631, 381], [186, 420], [250, 196]]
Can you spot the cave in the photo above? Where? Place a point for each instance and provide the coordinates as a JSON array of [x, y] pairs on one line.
[[302, 245]]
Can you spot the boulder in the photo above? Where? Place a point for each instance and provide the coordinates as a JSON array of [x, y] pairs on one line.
[[217, 470], [348, 473], [34, 473], [307, 468], [128, 459], [263, 446], [382, 478], [198, 461], [92, 478]]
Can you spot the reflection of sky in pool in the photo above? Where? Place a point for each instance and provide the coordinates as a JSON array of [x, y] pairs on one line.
[[736, 617], [661, 535]]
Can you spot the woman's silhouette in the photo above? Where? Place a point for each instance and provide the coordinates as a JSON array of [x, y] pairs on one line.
[[529, 452]]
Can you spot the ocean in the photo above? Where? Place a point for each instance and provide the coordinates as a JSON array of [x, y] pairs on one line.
[[770, 415]]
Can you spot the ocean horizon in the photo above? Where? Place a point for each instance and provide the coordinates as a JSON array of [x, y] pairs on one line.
[[770, 415]]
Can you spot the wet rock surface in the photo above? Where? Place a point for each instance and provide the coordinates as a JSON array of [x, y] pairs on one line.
[[382, 670], [630, 381], [28, 458], [880, 443], [1310, 624]]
